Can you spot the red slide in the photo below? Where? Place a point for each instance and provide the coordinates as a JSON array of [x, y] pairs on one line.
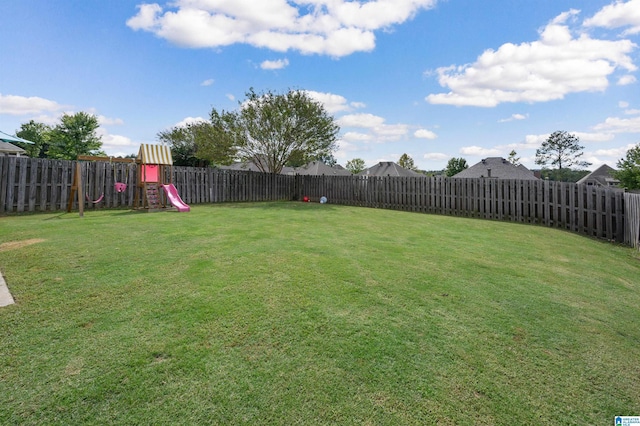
[[174, 198]]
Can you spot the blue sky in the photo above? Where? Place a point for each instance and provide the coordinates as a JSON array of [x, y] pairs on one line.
[[435, 79]]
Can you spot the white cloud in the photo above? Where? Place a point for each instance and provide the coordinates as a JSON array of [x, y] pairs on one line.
[[424, 134], [363, 120], [435, 156], [345, 146], [106, 121], [616, 15], [378, 130], [620, 125], [328, 27], [346, 149], [331, 102], [626, 80], [618, 152], [230, 97], [632, 111], [623, 104], [207, 82], [146, 17], [593, 137], [21, 105], [390, 131], [116, 145], [550, 68], [190, 120], [275, 65], [534, 141], [479, 151], [357, 137], [48, 119], [607, 156], [514, 117]]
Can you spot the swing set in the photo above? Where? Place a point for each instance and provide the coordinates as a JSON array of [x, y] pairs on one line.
[[77, 187], [152, 190]]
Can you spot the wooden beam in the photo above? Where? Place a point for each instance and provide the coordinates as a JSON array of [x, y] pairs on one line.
[[109, 159]]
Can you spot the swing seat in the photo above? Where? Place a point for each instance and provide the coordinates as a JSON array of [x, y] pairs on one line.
[[120, 187], [92, 201]]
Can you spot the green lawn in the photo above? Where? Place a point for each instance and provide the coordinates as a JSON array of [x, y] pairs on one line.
[[297, 313]]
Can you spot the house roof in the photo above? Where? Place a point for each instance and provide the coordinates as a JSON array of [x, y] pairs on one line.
[[603, 175], [6, 137], [318, 168], [496, 168], [7, 148], [250, 166], [315, 168], [388, 168], [245, 167]]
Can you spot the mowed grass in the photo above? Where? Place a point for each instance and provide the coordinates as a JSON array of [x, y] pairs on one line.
[[296, 313]]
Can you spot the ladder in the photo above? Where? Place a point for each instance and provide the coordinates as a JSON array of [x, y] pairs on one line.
[[152, 194]]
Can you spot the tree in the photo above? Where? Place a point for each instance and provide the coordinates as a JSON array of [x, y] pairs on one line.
[[455, 166], [39, 134], [513, 159], [328, 159], [299, 159], [628, 172], [270, 128], [406, 162], [563, 175], [75, 135], [355, 166], [561, 149], [216, 141], [198, 144], [182, 145]]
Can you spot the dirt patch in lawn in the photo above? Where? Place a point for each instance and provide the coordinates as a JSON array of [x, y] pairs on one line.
[[13, 245]]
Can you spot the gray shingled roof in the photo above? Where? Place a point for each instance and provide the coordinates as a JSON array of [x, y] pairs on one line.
[[388, 168], [318, 168], [602, 176], [247, 167], [496, 168], [9, 149]]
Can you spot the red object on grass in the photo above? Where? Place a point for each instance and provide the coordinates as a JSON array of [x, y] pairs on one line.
[[305, 199]]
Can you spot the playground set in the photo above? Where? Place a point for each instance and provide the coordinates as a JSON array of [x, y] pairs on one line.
[[152, 162]]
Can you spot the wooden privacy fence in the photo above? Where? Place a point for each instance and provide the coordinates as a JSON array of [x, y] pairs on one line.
[[28, 185], [588, 210], [632, 214], [31, 184]]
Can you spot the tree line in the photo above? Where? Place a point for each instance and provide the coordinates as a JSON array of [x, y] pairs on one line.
[[274, 131]]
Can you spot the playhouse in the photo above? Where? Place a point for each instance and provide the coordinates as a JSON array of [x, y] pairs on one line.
[[155, 170]]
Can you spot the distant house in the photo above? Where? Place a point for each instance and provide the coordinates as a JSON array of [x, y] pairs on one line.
[[496, 168], [246, 167], [250, 166], [602, 176], [7, 149], [318, 168], [388, 168]]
